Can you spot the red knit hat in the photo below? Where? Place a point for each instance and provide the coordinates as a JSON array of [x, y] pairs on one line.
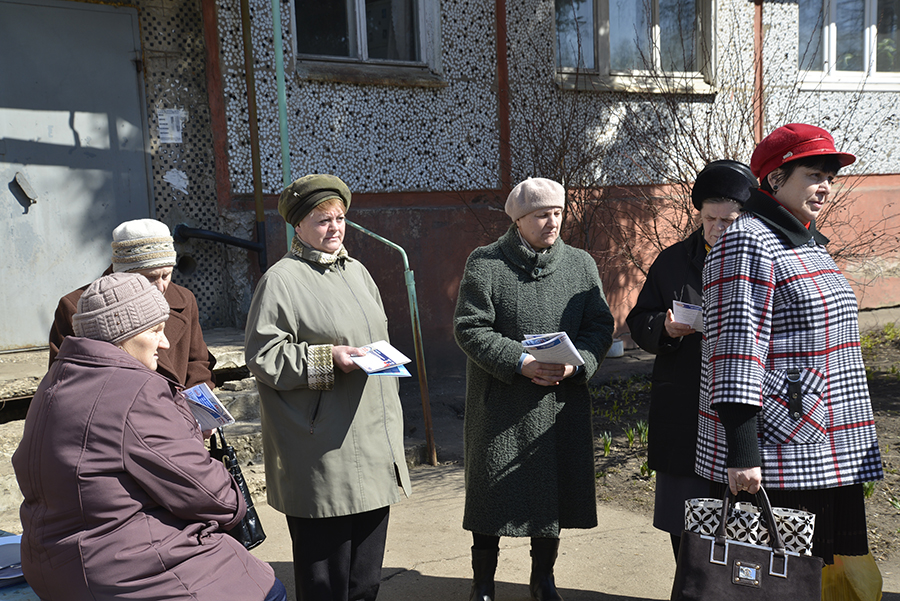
[[791, 142]]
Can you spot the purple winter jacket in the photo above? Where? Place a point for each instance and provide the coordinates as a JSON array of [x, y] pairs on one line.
[[122, 500]]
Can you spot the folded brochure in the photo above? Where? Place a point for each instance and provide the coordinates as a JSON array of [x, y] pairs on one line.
[[687, 314], [208, 410], [552, 348], [382, 359]]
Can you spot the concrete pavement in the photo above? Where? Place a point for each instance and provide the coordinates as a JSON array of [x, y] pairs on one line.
[[427, 555]]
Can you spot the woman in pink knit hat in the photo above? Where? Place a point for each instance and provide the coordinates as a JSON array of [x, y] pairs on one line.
[[122, 500]]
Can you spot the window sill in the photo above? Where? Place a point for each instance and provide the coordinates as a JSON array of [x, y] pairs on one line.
[[664, 84], [819, 82], [369, 74]]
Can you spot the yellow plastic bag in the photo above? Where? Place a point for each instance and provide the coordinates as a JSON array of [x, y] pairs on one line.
[[852, 578]]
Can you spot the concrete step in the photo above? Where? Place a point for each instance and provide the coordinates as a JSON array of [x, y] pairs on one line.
[[21, 372]]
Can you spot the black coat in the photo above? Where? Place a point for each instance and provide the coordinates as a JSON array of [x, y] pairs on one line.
[[676, 274]]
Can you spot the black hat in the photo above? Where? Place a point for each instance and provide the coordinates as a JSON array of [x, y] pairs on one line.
[[723, 179]]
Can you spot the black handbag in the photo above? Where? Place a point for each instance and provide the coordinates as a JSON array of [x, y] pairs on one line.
[[715, 567], [249, 532]]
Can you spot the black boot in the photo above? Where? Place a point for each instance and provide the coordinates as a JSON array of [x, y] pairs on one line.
[[543, 556], [484, 565]]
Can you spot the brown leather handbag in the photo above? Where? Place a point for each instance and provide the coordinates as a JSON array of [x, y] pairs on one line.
[[716, 567]]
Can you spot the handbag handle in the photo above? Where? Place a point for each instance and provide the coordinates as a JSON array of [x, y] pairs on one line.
[[775, 540], [218, 448]]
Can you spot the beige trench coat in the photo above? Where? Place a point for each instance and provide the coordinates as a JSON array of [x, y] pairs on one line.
[[328, 453]]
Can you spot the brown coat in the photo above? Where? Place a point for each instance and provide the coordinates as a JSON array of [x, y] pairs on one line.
[[187, 360], [122, 500]]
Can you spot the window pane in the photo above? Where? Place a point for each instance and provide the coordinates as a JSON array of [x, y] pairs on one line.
[[677, 35], [391, 30], [887, 59], [575, 34], [812, 15], [629, 35], [848, 20], [325, 27]]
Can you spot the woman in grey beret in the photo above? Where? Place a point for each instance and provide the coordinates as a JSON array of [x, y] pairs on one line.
[[528, 441], [122, 500], [332, 436]]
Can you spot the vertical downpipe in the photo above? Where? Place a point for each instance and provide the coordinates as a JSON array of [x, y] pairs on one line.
[[758, 109], [503, 99], [254, 129], [286, 177]]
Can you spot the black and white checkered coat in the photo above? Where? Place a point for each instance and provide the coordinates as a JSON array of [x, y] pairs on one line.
[[774, 300]]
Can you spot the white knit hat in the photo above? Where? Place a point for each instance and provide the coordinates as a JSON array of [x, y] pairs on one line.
[[118, 306], [142, 244], [532, 194]]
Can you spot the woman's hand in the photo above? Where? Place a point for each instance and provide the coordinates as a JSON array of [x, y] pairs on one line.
[[744, 478], [340, 356], [675, 329], [546, 374]]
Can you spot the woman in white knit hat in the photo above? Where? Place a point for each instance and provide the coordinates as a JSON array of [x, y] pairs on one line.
[[145, 246], [122, 499], [528, 441]]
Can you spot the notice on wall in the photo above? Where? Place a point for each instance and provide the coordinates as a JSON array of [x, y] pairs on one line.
[[171, 122]]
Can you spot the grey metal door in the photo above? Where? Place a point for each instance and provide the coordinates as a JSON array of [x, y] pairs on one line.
[[74, 159]]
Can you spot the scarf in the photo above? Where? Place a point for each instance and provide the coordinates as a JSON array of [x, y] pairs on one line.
[[302, 251]]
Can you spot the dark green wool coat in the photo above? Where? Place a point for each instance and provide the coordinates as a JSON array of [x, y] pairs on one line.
[[528, 448]]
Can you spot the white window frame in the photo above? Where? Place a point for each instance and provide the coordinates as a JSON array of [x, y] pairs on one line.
[[604, 78], [829, 78], [425, 72]]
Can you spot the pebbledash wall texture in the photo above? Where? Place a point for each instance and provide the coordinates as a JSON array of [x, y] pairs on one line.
[[377, 138], [425, 161]]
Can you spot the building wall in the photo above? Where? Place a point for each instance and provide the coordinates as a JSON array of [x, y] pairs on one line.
[[425, 162], [184, 190]]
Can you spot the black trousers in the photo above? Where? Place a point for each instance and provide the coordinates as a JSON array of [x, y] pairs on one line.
[[339, 559]]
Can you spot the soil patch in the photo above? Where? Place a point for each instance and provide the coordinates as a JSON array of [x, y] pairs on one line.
[[621, 409]]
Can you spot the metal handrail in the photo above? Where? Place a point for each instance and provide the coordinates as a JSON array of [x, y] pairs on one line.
[[430, 447]]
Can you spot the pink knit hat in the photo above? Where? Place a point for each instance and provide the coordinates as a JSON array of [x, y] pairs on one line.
[[118, 306], [532, 194]]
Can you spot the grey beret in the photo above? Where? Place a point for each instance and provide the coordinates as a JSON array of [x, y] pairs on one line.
[[532, 194]]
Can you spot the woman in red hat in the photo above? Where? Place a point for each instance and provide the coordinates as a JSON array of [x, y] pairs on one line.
[[784, 401]]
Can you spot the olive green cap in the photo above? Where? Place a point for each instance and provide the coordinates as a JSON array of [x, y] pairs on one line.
[[308, 192]]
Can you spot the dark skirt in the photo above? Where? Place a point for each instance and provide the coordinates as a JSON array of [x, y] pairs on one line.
[[840, 516], [671, 493]]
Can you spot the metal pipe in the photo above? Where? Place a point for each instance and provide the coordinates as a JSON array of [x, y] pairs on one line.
[[254, 129], [182, 233], [430, 448], [286, 178]]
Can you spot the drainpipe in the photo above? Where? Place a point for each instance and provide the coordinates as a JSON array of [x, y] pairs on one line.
[[286, 178], [503, 98], [254, 129], [430, 449], [758, 93]]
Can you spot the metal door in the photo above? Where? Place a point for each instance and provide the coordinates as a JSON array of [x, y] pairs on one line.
[[74, 159]]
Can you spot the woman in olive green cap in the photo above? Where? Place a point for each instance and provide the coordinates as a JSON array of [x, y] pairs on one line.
[[332, 437]]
